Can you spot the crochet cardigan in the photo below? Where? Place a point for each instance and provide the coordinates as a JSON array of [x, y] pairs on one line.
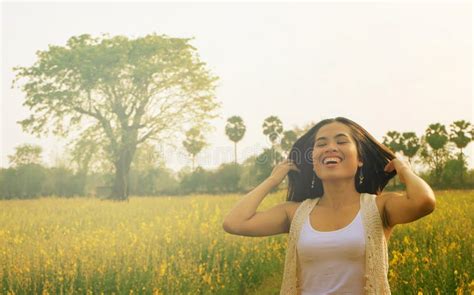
[[376, 258]]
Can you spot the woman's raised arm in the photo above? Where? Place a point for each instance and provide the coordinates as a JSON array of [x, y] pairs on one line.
[[243, 218]]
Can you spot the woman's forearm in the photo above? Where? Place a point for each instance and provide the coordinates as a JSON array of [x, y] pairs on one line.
[[247, 206]]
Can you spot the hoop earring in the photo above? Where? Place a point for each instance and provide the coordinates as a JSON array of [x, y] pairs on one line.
[[314, 180], [361, 177]]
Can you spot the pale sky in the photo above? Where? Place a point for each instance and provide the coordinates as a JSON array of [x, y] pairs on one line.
[[388, 66]]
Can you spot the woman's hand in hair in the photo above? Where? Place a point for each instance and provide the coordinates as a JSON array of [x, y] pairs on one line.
[[280, 171], [400, 166]]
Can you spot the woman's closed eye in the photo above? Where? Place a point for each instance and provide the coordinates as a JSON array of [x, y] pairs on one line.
[[323, 144]]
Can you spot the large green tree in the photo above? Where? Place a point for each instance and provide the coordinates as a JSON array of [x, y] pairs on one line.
[[127, 91]]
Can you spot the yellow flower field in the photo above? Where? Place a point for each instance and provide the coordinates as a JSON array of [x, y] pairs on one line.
[[176, 245]]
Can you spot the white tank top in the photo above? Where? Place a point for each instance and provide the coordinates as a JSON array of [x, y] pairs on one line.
[[332, 261]]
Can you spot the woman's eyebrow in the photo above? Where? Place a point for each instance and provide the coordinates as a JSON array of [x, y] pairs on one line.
[[338, 135]]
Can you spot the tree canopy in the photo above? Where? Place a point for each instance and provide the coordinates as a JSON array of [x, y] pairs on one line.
[[119, 91]]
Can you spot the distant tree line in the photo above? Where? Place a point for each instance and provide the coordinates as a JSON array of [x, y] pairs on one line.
[[120, 97], [439, 150]]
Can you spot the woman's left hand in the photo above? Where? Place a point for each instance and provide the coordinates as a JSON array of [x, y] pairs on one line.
[[399, 166]]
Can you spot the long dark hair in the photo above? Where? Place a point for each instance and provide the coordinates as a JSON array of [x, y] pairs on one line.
[[373, 154]]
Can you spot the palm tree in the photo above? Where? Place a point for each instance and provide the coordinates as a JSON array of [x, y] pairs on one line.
[[457, 135], [289, 138], [194, 142], [272, 127], [393, 141], [235, 130], [437, 138], [410, 144]]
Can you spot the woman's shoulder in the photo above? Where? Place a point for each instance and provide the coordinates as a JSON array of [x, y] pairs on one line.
[[292, 206]]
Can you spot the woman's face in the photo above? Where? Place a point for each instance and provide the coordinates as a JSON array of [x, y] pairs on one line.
[[335, 140]]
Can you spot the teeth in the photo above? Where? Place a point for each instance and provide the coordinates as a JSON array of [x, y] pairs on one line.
[[331, 159]]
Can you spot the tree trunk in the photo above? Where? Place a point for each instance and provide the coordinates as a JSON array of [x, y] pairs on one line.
[[235, 152], [272, 156], [120, 188], [82, 175], [438, 174], [462, 168]]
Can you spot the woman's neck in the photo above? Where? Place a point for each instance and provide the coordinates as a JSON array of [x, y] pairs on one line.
[[339, 194]]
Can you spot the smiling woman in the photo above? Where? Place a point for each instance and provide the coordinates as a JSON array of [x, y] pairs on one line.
[[337, 217], [360, 153], [337, 240]]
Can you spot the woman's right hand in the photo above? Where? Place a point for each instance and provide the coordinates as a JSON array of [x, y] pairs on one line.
[[281, 169]]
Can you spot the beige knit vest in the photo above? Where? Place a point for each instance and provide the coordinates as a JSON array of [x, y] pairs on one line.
[[376, 258]]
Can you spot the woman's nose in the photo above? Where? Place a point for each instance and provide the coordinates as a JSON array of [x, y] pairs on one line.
[[330, 147]]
